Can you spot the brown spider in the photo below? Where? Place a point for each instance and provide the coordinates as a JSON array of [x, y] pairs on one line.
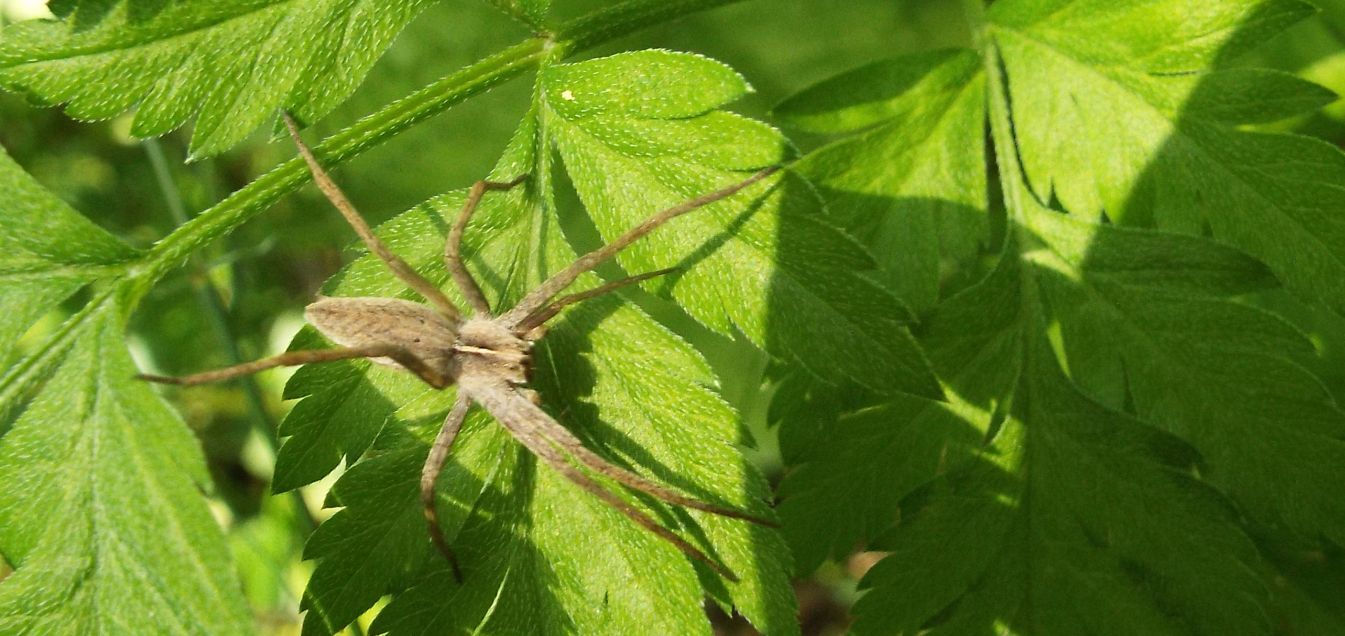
[[488, 356]]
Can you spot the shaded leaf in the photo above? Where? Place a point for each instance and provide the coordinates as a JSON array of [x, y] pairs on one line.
[[1117, 425], [1306, 583], [377, 541], [848, 488], [1015, 533], [1218, 374], [350, 410]]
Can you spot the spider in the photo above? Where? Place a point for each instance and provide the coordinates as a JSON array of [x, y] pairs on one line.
[[487, 355]]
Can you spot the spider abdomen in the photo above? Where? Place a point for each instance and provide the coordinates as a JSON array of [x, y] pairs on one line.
[[360, 322]]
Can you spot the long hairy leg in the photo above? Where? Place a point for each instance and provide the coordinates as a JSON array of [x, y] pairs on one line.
[[295, 358], [522, 419], [453, 247], [562, 437], [548, 312], [434, 464], [557, 461], [395, 264], [562, 279]]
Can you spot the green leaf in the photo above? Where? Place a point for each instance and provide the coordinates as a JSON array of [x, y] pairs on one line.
[[377, 541], [1145, 330], [1162, 36], [231, 64], [1172, 159], [1014, 532], [913, 184], [1142, 320], [1306, 583], [860, 467], [639, 132], [1117, 425], [385, 420], [100, 510], [47, 252], [349, 411], [538, 552], [911, 181]]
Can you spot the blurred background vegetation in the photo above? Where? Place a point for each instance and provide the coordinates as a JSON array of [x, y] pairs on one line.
[[243, 298]]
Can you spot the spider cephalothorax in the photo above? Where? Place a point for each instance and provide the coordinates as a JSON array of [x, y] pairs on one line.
[[488, 356], [487, 347]]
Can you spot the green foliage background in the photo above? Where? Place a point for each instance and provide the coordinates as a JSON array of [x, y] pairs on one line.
[[1165, 440]]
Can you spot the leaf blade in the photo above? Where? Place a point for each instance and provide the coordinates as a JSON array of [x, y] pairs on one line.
[[1180, 166], [912, 180], [839, 322], [87, 560], [47, 252], [231, 63]]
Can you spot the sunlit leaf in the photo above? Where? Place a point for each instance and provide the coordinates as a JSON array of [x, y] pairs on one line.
[[797, 285], [100, 507], [1173, 158], [912, 182], [230, 64], [47, 251]]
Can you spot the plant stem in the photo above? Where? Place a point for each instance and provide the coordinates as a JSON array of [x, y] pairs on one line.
[[164, 177]]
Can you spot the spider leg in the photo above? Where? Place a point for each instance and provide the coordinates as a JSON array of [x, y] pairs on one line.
[[537, 318], [562, 437], [554, 458], [522, 419], [562, 279], [453, 247], [434, 464], [395, 264], [294, 358]]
